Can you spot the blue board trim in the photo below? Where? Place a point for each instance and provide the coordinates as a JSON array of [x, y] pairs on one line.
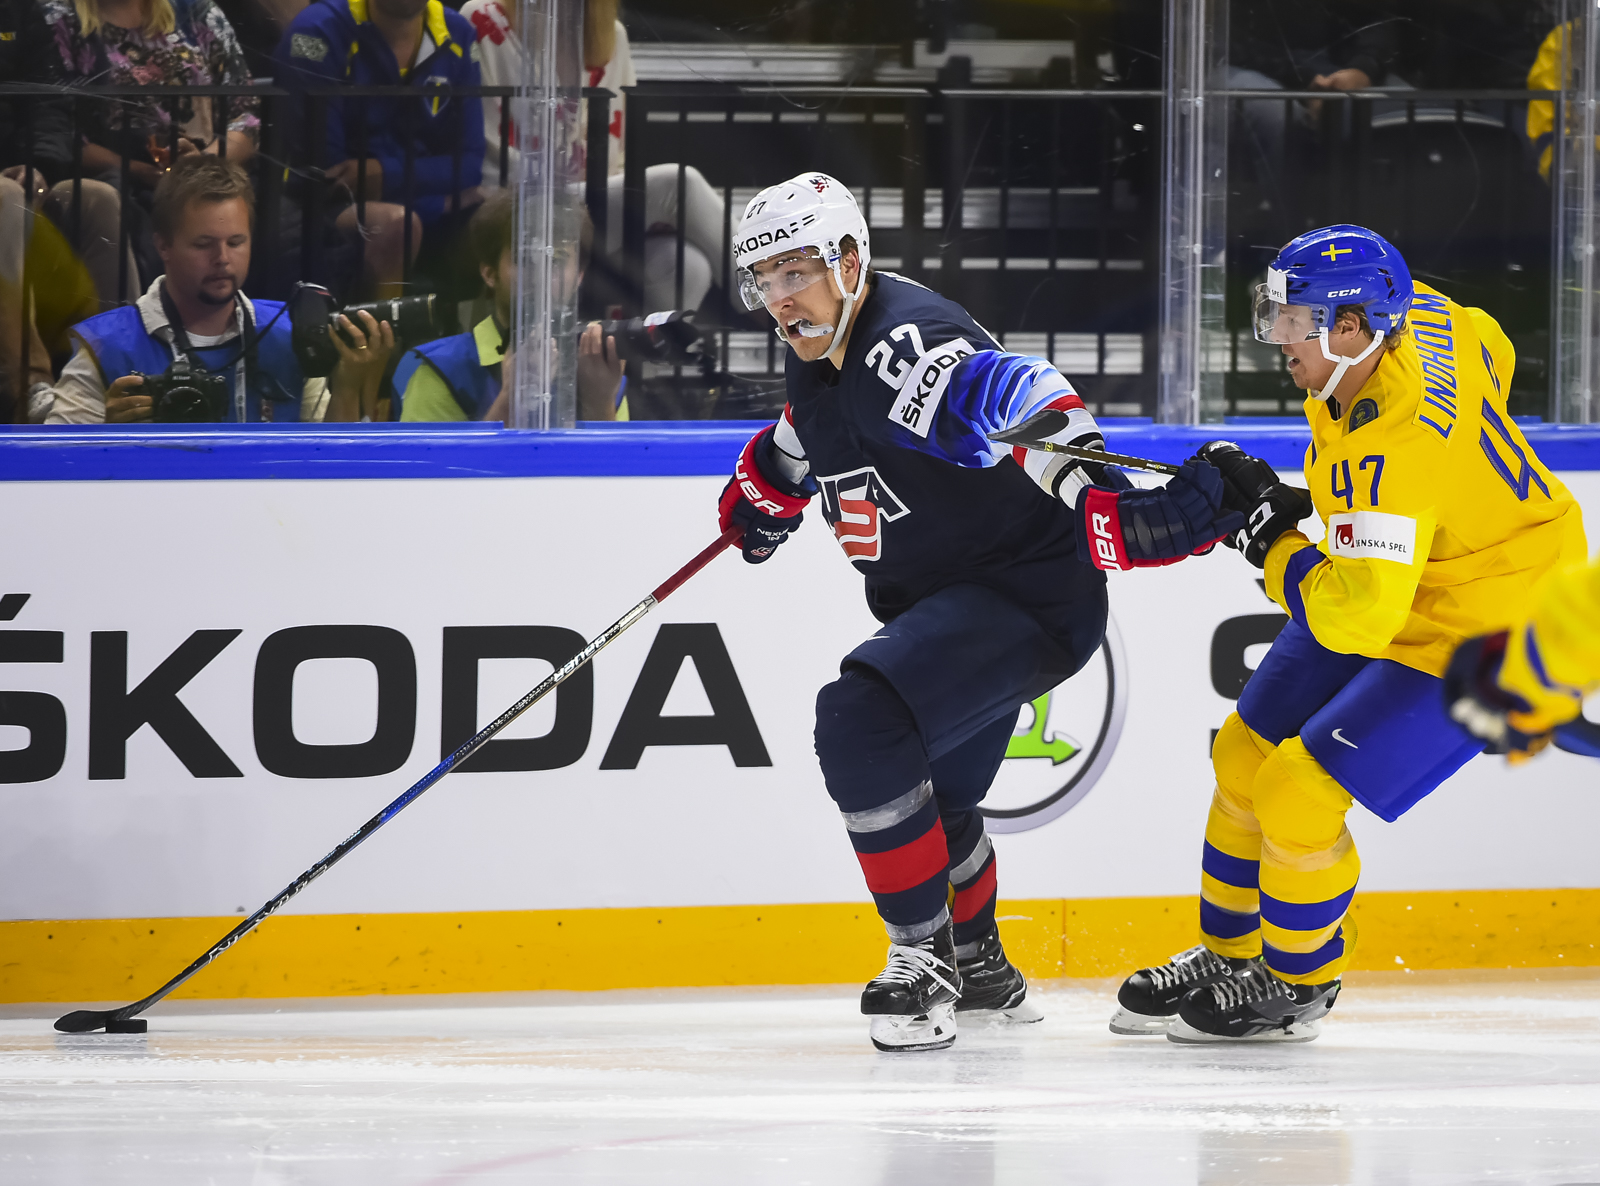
[[177, 452]]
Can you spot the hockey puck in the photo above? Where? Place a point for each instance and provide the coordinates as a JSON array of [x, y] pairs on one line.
[[133, 1025]]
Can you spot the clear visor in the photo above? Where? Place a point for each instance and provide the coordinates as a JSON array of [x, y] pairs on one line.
[[772, 280], [1278, 323]]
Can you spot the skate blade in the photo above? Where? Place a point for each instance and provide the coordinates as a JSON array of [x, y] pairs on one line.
[[1181, 1032], [933, 1030], [1023, 1012], [1134, 1025]]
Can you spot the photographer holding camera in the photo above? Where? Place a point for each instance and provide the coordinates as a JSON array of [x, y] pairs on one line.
[[194, 347], [462, 377]]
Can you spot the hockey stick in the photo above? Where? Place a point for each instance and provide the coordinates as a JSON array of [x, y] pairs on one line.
[[120, 1021], [1580, 736], [1031, 432]]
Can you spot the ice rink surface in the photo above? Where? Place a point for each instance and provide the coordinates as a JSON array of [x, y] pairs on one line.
[[1415, 1080]]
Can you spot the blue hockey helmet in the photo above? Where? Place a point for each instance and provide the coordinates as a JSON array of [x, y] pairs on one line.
[[1324, 270]]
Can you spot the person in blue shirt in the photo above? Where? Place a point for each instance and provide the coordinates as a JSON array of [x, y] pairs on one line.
[[419, 45]]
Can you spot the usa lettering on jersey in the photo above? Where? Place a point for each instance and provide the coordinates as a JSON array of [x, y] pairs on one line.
[[926, 384], [856, 505]]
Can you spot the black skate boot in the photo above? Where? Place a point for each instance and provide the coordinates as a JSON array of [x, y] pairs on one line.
[[912, 1001], [990, 982], [1148, 1000], [1254, 1006]]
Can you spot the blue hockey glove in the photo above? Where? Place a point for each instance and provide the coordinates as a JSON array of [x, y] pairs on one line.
[[766, 506], [1125, 527], [1476, 701]]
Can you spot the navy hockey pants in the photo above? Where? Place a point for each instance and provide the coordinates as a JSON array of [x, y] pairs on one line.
[[912, 733]]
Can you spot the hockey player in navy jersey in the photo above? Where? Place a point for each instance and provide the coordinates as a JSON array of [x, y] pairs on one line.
[[975, 562]]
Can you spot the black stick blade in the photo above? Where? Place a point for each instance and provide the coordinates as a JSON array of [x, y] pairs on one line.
[[82, 1021], [1035, 428]]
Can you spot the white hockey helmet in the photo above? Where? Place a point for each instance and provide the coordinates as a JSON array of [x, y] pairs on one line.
[[811, 211]]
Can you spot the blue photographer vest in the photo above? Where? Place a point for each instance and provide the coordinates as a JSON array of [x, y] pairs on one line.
[[120, 345], [458, 360]]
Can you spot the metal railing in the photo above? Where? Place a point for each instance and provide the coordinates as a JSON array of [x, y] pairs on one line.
[[1449, 176], [284, 166], [1034, 209], [1038, 210]]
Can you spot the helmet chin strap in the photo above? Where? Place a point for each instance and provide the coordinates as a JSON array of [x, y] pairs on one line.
[[850, 299], [1342, 363]]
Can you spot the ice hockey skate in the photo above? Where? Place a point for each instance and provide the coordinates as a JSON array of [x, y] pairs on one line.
[[912, 1001], [1148, 1000], [1253, 1006], [991, 983]]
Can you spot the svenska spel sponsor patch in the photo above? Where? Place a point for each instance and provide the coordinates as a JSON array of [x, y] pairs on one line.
[[1372, 535], [925, 386]]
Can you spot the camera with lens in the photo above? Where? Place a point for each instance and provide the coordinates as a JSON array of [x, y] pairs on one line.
[[186, 394], [669, 337], [312, 314]]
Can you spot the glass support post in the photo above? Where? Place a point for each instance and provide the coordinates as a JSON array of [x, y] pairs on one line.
[[1194, 200], [547, 179], [1574, 175]]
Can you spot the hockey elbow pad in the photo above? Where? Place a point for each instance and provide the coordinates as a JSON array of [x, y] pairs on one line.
[[761, 501], [1138, 528]]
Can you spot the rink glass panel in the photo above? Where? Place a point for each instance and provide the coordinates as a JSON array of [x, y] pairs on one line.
[[1437, 158], [1045, 196]]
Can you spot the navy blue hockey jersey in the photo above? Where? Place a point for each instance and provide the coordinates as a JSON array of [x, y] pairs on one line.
[[915, 493]]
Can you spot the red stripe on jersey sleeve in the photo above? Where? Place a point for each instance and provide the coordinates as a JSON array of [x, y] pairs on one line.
[[1066, 403]]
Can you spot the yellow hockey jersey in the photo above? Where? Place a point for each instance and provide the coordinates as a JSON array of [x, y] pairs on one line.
[[1553, 655], [1440, 517]]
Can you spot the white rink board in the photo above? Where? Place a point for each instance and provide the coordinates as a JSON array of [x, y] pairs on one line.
[[686, 827]]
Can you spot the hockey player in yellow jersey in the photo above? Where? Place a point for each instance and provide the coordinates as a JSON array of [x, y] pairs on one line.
[[1440, 521], [1515, 687]]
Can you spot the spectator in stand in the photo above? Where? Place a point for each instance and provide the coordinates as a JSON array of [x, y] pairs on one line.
[[150, 43], [1545, 75], [36, 156], [466, 376], [415, 44], [608, 62], [37, 134], [1316, 45], [259, 25], [203, 212]]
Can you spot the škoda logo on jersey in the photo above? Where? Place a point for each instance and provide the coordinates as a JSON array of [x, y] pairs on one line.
[[856, 505], [925, 386]]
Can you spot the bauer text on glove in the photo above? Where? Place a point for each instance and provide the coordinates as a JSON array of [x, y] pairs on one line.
[[762, 502], [1128, 527]]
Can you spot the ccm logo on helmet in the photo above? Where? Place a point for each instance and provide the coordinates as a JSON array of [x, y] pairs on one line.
[[1345, 292], [772, 238]]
